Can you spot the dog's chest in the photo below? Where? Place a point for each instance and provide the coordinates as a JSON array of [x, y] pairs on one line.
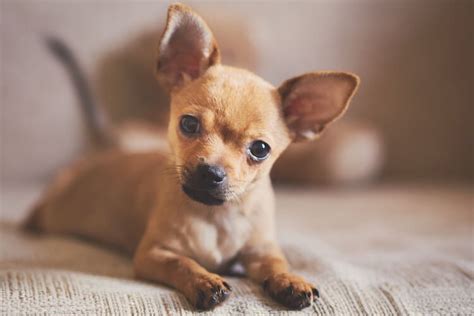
[[212, 239]]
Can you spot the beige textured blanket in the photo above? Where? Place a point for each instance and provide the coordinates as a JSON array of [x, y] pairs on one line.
[[388, 251]]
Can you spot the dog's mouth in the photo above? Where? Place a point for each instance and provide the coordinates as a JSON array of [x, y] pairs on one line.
[[202, 196]]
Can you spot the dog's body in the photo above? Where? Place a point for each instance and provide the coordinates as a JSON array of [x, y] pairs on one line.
[[106, 197], [209, 202]]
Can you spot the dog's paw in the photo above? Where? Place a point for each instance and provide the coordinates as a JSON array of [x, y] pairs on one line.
[[290, 290], [207, 291]]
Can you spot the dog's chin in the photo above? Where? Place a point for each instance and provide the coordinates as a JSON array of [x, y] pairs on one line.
[[203, 197]]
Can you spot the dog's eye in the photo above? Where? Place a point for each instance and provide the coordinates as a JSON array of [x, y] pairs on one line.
[[189, 124], [259, 150]]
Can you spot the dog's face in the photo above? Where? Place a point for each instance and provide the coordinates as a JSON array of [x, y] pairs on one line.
[[226, 130], [228, 126]]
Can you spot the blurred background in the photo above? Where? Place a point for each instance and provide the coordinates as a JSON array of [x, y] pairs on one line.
[[415, 59]]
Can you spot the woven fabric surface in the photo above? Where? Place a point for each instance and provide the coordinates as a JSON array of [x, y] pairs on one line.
[[390, 252]]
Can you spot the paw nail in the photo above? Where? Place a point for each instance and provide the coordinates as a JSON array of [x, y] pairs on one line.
[[227, 285], [212, 300], [225, 294], [315, 292]]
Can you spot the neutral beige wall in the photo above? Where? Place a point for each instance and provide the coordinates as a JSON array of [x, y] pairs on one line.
[[414, 57], [416, 63]]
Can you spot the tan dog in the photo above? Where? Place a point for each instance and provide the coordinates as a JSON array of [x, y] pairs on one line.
[[210, 202]]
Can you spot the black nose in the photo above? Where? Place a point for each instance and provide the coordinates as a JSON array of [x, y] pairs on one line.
[[210, 175]]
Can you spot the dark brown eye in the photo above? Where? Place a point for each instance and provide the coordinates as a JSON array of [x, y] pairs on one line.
[[189, 125], [259, 150]]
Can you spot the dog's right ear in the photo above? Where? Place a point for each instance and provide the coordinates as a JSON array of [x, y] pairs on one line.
[[187, 48]]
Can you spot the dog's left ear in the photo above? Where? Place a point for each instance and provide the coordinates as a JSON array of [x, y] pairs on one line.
[[313, 100], [187, 48]]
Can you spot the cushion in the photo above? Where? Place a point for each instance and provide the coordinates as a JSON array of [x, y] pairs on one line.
[[386, 251]]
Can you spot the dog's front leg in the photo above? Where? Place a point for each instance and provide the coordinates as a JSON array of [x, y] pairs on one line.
[[266, 264], [203, 289]]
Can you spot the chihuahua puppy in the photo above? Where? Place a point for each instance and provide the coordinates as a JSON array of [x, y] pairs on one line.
[[191, 214]]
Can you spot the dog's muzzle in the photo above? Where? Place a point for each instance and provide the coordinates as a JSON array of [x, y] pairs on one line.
[[207, 184]]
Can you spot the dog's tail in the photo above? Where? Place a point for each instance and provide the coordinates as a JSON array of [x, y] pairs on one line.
[[97, 123]]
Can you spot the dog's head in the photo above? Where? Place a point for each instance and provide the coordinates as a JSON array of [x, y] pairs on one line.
[[228, 126]]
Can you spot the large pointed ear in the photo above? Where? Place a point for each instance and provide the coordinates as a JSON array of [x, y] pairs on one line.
[[313, 100], [187, 48]]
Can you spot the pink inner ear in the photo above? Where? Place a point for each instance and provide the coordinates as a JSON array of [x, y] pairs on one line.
[[311, 108], [180, 65], [188, 64], [187, 47], [313, 100]]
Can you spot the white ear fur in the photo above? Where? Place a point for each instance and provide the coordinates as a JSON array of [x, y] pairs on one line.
[[313, 100], [187, 48]]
